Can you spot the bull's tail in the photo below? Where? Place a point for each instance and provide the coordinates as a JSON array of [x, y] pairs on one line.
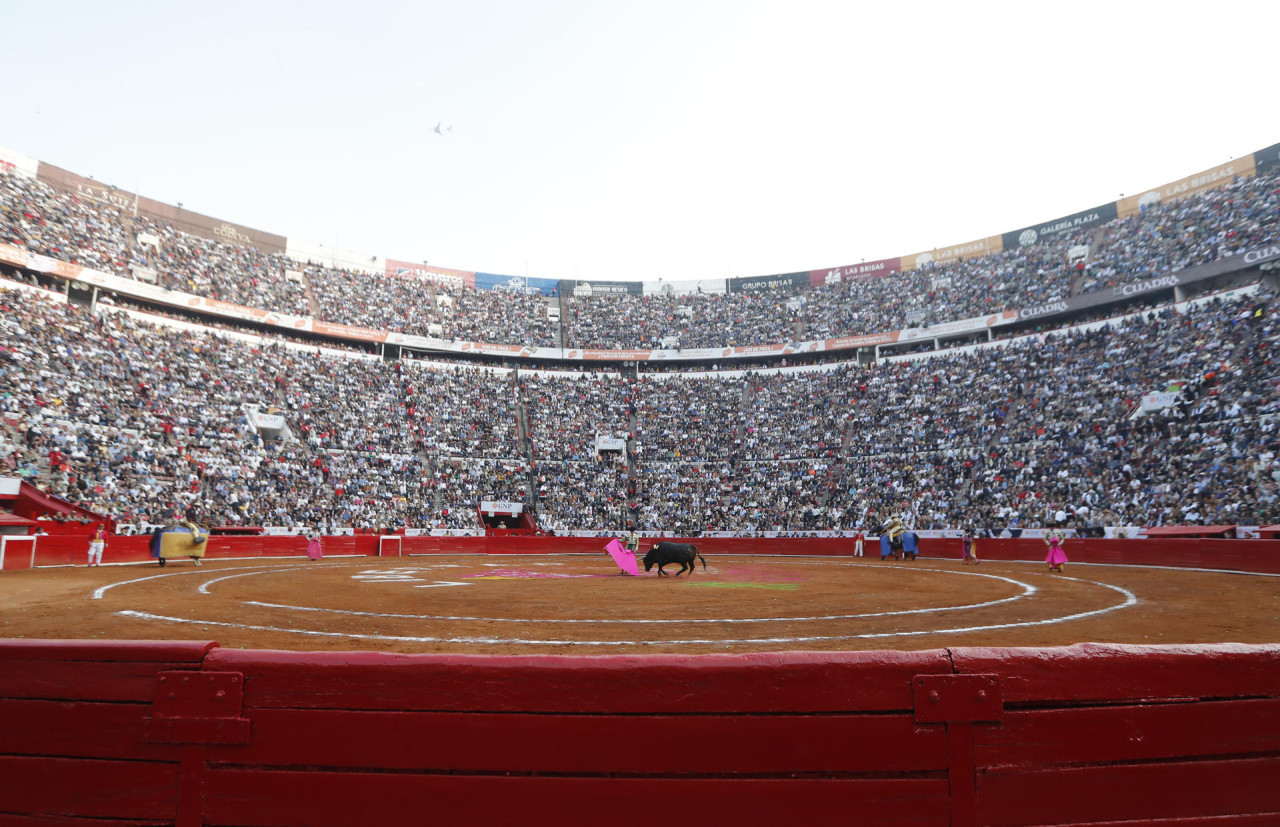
[[703, 559]]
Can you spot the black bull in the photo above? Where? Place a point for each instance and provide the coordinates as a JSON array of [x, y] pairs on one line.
[[663, 553]]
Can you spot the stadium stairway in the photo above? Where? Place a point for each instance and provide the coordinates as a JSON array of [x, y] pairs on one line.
[[312, 301], [1077, 284]]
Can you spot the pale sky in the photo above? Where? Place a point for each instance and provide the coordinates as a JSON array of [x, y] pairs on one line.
[[637, 140]]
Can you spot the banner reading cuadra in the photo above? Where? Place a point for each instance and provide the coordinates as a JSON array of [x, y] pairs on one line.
[[973, 249], [1191, 185]]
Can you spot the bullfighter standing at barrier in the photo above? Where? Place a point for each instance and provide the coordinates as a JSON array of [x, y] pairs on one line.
[[97, 544], [969, 546], [315, 550]]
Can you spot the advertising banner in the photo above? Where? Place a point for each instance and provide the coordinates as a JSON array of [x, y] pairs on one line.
[[1259, 255], [865, 271], [784, 281], [1265, 160], [18, 164], [492, 507], [1191, 185], [346, 331], [973, 249], [759, 350], [184, 220], [686, 287], [1158, 401], [957, 328], [1050, 230], [849, 342], [586, 289], [427, 272], [600, 355], [517, 284], [1188, 275], [27, 260], [269, 422], [501, 350]]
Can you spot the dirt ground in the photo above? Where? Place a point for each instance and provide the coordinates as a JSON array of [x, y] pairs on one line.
[[579, 605]]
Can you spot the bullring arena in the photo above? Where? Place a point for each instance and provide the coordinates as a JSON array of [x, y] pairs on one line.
[[1106, 379], [516, 604], [1136, 687]]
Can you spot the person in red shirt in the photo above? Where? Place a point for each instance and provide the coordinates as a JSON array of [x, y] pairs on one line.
[[97, 545]]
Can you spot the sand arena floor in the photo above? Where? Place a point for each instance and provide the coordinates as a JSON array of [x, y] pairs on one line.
[[578, 605]]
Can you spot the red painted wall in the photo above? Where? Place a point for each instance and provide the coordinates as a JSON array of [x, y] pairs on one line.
[[190, 734], [1242, 555]]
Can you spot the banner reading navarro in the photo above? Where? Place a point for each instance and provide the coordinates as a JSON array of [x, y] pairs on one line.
[[426, 272]]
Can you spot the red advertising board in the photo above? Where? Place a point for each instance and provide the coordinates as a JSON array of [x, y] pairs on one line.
[[426, 272], [864, 271]]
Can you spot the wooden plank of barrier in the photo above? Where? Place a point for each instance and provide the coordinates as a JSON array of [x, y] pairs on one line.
[[87, 787], [91, 670], [326, 799], [72, 681], [1237, 820], [110, 651], [1132, 733], [283, 546], [1133, 792], [80, 728], [14, 820], [596, 744], [1112, 673], [798, 682]]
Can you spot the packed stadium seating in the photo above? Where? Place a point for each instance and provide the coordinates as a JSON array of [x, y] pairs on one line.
[[139, 421], [1159, 239], [132, 415]]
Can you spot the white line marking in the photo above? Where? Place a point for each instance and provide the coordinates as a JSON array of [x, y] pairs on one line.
[[204, 587], [97, 594], [1130, 600], [1027, 591]]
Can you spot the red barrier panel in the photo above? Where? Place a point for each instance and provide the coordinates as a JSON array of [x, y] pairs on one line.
[[188, 734], [1242, 555]]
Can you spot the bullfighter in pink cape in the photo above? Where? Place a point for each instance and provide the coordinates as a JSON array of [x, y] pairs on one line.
[[1057, 556], [624, 553]]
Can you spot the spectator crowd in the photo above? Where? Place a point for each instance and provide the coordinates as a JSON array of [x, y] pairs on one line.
[[131, 415], [1161, 238]]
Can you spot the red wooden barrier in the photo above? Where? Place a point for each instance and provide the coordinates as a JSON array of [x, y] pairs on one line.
[[188, 734], [1241, 555]]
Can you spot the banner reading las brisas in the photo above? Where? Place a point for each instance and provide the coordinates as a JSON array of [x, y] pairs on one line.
[[1218, 176], [957, 252]]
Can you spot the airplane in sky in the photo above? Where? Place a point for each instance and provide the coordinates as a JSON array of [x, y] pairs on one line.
[[446, 128]]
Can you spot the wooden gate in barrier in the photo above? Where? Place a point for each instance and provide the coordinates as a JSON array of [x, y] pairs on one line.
[[189, 734]]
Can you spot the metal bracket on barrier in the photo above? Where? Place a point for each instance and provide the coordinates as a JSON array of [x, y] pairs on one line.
[[941, 699], [198, 708]]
